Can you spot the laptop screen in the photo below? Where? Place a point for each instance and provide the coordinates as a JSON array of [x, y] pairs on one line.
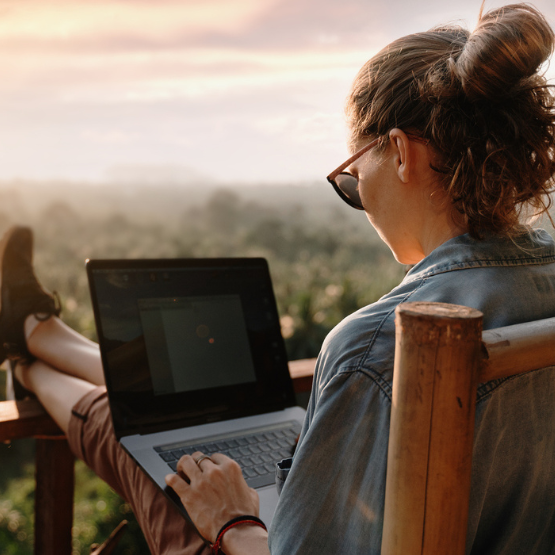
[[188, 341]]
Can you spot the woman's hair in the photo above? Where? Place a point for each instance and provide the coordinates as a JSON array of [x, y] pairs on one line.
[[479, 99]]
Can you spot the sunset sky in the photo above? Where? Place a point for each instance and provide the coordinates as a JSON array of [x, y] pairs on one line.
[[225, 90]]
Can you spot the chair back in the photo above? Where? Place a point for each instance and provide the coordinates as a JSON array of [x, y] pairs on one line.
[[441, 355]]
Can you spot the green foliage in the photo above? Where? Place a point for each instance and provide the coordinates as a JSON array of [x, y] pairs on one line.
[[16, 510], [325, 259], [326, 262], [98, 510]]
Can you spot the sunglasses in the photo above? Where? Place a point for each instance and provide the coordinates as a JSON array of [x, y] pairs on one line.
[[346, 184]]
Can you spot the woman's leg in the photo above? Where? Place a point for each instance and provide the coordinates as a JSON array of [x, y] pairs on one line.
[[58, 392], [68, 366], [64, 349]]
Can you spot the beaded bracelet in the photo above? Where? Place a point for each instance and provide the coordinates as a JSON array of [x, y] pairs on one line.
[[243, 519]]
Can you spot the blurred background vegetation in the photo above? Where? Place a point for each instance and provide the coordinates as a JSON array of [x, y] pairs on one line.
[[326, 261]]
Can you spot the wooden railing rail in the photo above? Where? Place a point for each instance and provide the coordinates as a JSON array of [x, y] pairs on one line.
[[516, 349]]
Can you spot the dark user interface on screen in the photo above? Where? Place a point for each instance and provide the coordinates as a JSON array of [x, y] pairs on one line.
[[190, 339]]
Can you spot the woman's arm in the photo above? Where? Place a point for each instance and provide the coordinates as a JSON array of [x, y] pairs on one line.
[[214, 492]]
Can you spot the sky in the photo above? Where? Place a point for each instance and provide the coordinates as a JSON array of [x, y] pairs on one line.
[[231, 91]]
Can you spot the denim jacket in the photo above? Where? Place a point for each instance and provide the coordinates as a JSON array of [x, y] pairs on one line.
[[333, 498]]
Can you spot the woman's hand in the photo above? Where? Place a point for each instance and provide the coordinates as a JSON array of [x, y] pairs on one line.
[[213, 492]]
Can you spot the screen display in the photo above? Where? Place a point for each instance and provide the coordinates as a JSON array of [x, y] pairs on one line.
[[196, 343], [193, 339]]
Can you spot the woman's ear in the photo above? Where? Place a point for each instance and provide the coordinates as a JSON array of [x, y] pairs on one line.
[[402, 156]]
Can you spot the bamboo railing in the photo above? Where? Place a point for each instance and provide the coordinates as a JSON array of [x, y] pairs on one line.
[[441, 355]]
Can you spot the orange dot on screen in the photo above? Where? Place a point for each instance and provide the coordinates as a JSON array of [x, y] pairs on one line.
[[211, 340]]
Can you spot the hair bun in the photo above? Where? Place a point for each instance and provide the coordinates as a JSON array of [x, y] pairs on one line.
[[508, 46]]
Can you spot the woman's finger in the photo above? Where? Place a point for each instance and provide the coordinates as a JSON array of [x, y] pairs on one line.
[[188, 467], [201, 459], [178, 484]]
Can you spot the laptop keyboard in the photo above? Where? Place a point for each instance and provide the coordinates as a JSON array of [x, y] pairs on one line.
[[256, 451]]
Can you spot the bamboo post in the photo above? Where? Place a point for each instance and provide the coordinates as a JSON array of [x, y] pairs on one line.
[[437, 356]]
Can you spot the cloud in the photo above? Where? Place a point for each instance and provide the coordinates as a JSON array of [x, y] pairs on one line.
[[119, 26], [317, 129], [64, 22], [109, 51], [246, 86], [79, 27]]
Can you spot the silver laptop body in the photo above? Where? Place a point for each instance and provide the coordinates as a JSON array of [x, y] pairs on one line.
[[194, 359]]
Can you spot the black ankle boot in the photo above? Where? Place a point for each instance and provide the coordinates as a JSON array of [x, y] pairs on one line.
[[20, 293]]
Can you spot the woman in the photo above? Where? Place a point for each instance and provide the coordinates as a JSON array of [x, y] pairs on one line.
[[453, 137]]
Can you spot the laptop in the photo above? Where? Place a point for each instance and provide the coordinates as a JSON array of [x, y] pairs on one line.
[[194, 360]]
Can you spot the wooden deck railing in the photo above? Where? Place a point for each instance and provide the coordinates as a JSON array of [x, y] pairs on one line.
[[54, 463], [441, 355]]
